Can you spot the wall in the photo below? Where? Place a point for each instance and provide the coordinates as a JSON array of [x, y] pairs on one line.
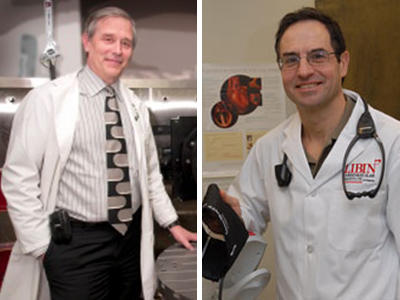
[[243, 31], [18, 17], [166, 33]]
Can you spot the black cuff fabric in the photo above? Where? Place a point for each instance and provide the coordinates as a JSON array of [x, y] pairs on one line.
[[174, 223]]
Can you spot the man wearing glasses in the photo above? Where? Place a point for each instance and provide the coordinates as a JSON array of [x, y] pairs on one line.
[[328, 245]]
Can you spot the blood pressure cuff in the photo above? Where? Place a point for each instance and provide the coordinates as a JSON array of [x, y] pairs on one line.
[[224, 235]]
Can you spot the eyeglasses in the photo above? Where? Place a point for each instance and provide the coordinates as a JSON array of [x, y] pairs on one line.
[[315, 58]]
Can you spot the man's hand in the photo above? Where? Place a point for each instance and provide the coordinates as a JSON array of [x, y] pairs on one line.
[[183, 236], [232, 202]]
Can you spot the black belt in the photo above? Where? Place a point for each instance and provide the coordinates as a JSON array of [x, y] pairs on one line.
[[136, 217], [82, 224]]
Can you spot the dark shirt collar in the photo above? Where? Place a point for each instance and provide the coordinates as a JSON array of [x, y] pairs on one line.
[[315, 165]]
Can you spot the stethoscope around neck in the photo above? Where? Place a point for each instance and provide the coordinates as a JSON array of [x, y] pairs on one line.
[[365, 130]]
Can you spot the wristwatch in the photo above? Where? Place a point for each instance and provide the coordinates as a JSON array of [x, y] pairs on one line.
[[174, 223]]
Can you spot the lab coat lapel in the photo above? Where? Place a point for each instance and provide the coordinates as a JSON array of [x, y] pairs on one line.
[[66, 93], [135, 121], [293, 147]]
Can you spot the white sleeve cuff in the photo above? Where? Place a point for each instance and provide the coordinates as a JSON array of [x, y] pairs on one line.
[[39, 252]]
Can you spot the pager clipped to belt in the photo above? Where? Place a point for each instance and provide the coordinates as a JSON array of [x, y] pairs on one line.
[[224, 235], [60, 226]]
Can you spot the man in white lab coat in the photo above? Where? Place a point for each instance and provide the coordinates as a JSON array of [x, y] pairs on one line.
[[57, 160], [327, 246]]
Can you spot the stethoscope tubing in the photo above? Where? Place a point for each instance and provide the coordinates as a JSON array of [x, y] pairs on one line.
[[365, 130], [371, 193]]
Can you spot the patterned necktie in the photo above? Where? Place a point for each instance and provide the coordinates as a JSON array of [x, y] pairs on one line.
[[118, 183]]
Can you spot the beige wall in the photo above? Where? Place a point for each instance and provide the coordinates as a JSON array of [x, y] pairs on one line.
[[237, 32]]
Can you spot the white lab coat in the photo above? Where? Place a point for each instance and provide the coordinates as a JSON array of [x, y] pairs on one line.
[[327, 247], [39, 146]]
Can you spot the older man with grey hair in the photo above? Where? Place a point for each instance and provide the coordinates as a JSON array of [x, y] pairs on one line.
[[82, 180]]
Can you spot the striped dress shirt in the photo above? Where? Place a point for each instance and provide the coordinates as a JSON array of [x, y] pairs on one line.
[[83, 185]]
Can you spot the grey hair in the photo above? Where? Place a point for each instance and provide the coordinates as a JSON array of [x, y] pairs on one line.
[[109, 11]]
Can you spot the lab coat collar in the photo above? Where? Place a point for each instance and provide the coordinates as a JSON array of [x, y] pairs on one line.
[[293, 147], [132, 105]]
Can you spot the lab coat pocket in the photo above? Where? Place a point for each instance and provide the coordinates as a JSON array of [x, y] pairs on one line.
[[357, 224]]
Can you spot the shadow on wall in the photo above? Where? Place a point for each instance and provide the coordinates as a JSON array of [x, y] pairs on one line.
[[144, 9], [27, 9]]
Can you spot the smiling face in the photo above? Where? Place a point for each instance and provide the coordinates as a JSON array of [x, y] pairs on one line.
[[312, 86], [110, 48]]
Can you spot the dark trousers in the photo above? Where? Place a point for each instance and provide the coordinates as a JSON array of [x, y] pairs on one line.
[[99, 263]]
